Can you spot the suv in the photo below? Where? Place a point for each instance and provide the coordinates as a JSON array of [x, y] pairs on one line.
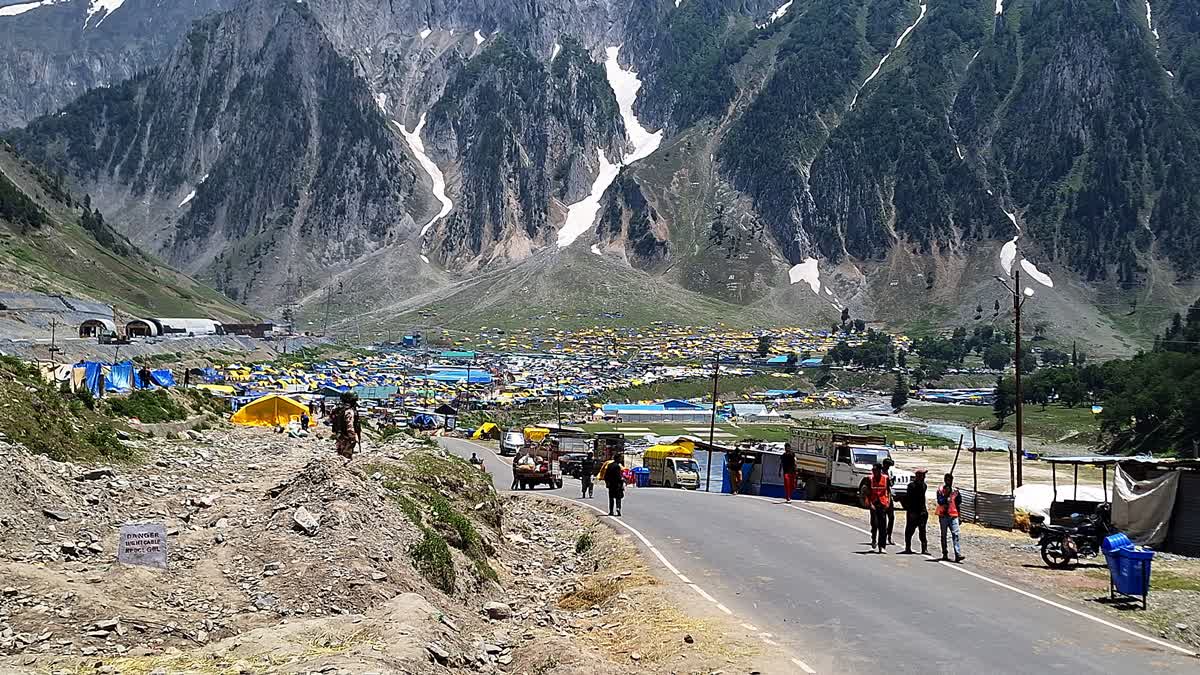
[[572, 464], [511, 442]]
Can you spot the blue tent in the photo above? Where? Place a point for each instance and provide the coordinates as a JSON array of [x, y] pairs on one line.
[[423, 421], [163, 378], [120, 377]]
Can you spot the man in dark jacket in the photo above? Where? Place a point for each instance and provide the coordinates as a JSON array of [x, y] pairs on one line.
[[347, 426], [614, 480], [916, 512], [787, 469], [587, 474]]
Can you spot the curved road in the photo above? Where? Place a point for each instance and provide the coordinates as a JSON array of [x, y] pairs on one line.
[[802, 578]]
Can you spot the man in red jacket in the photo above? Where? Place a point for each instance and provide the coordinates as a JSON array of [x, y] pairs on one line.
[[879, 500], [949, 501]]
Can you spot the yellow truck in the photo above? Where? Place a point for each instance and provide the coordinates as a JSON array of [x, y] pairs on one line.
[[672, 465]]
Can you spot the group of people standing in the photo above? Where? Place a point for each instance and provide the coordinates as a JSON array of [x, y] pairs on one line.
[[916, 511]]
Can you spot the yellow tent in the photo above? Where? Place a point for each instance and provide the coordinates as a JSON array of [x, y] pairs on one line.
[[486, 430], [217, 388], [682, 448], [269, 411], [536, 434]]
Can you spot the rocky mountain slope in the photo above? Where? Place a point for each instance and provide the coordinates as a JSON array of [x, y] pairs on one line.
[[52, 51], [53, 243], [789, 158]]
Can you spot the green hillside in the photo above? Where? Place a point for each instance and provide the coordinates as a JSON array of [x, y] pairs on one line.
[[53, 243]]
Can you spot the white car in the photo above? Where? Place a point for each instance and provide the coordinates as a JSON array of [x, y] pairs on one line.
[[511, 442]]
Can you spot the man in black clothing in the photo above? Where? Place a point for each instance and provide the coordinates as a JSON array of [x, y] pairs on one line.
[[891, 512], [614, 480], [587, 469], [787, 469], [146, 378], [916, 512]]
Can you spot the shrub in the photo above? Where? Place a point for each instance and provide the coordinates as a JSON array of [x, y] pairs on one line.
[[432, 559], [148, 406]]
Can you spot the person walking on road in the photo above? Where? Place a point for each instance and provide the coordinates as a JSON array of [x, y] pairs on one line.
[[949, 501], [916, 512], [614, 480], [879, 499], [891, 510], [587, 474], [787, 469], [515, 463]]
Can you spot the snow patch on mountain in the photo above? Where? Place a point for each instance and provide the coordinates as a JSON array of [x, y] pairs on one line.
[[899, 42], [807, 272], [98, 6], [192, 195], [479, 38], [426, 33], [595, 249], [14, 10], [1038, 275], [999, 7], [554, 52], [435, 174], [581, 216], [625, 84], [381, 101], [776, 15], [1008, 253]]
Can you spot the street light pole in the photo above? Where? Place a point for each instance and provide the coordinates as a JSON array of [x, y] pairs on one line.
[[558, 407], [712, 421], [1018, 302]]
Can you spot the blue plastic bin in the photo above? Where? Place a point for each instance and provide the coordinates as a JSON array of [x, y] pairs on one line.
[[1115, 542], [1132, 573], [642, 475]]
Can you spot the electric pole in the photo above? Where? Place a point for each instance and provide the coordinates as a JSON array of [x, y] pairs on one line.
[[712, 421], [1018, 301], [558, 407]]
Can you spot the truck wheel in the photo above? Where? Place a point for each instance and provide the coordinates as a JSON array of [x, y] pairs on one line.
[[558, 484], [812, 489]]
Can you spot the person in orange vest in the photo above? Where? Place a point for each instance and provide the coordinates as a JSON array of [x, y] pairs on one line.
[[879, 500], [949, 501]]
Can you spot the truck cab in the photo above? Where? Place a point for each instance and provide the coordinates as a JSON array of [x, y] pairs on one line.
[[682, 472]]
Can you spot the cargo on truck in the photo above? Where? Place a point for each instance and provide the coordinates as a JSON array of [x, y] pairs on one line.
[[672, 465], [832, 463]]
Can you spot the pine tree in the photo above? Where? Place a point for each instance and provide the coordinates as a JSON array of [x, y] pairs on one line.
[[899, 393]]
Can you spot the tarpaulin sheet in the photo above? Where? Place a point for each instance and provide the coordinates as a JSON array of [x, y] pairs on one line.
[[1142, 508], [163, 378], [93, 376], [120, 377]]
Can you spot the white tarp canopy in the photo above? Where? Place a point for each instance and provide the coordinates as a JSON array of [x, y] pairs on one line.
[[1142, 508]]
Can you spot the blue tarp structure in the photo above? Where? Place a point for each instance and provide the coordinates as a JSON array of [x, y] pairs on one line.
[[120, 377], [477, 377], [92, 373], [163, 378], [423, 421]]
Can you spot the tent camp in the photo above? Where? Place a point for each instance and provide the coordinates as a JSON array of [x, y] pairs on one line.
[[486, 430], [269, 411]]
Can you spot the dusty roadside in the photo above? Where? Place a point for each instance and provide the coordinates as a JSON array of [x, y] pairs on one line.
[[282, 559]]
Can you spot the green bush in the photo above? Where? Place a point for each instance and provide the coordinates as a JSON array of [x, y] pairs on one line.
[[432, 559], [148, 406], [584, 543]]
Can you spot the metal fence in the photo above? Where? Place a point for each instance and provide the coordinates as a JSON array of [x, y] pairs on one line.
[[991, 509]]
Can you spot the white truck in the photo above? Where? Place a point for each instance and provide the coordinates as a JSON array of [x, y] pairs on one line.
[[832, 463], [672, 466]]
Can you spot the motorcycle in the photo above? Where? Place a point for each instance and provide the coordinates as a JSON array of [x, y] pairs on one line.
[[1062, 544]]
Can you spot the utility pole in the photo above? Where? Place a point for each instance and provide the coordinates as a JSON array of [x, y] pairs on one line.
[[468, 392], [53, 346], [1018, 302], [712, 421], [558, 407]]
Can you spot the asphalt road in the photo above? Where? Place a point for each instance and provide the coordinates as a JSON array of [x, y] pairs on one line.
[[801, 577]]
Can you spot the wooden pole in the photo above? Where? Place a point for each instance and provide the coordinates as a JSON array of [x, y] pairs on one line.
[[1012, 472], [974, 463], [1018, 300], [956, 453]]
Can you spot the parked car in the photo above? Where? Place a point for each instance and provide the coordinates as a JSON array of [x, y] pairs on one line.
[[511, 442]]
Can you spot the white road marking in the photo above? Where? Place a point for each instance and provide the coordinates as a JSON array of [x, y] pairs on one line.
[[765, 637], [804, 666], [1014, 589]]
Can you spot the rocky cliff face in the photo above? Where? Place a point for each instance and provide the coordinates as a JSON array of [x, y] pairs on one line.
[[254, 156], [53, 52]]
